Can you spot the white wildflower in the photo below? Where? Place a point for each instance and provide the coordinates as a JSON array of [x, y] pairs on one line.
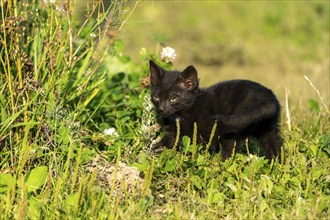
[[264, 176], [148, 106], [111, 132], [300, 199], [252, 157], [148, 123], [49, 1], [59, 9], [92, 35], [168, 54]]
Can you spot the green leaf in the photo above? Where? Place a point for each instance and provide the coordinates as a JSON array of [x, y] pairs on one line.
[[143, 163], [87, 154], [34, 208], [72, 200], [186, 141], [186, 144], [201, 160], [7, 182], [94, 93], [313, 105], [314, 148], [64, 134], [217, 197], [36, 178], [146, 202], [266, 184], [84, 66], [143, 53], [170, 165], [294, 182], [197, 182], [263, 205], [231, 184]]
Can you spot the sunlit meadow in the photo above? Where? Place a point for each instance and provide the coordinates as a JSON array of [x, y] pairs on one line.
[[77, 124]]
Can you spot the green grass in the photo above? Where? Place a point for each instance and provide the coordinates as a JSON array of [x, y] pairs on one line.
[[275, 43], [65, 80]]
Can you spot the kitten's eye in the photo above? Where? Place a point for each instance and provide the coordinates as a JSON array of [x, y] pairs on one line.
[[156, 98], [173, 100]]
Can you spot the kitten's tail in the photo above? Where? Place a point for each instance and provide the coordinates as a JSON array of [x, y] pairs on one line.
[[239, 121]]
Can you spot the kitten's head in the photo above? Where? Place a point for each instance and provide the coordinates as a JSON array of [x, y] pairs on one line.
[[171, 91]]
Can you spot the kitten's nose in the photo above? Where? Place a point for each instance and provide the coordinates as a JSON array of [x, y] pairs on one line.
[[161, 109]]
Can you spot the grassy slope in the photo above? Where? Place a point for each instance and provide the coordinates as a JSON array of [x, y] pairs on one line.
[[46, 148], [275, 43]]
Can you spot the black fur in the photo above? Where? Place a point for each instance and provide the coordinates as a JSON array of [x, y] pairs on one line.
[[241, 108]]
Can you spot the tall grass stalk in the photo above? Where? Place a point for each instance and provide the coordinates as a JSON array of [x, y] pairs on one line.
[[194, 141], [214, 128], [287, 110], [318, 94], [178, 132]]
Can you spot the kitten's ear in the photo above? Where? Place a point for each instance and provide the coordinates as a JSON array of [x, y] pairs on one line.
[[189, 78], [155, 73]]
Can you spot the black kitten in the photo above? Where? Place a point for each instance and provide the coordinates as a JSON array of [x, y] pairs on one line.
[[241, 109]]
